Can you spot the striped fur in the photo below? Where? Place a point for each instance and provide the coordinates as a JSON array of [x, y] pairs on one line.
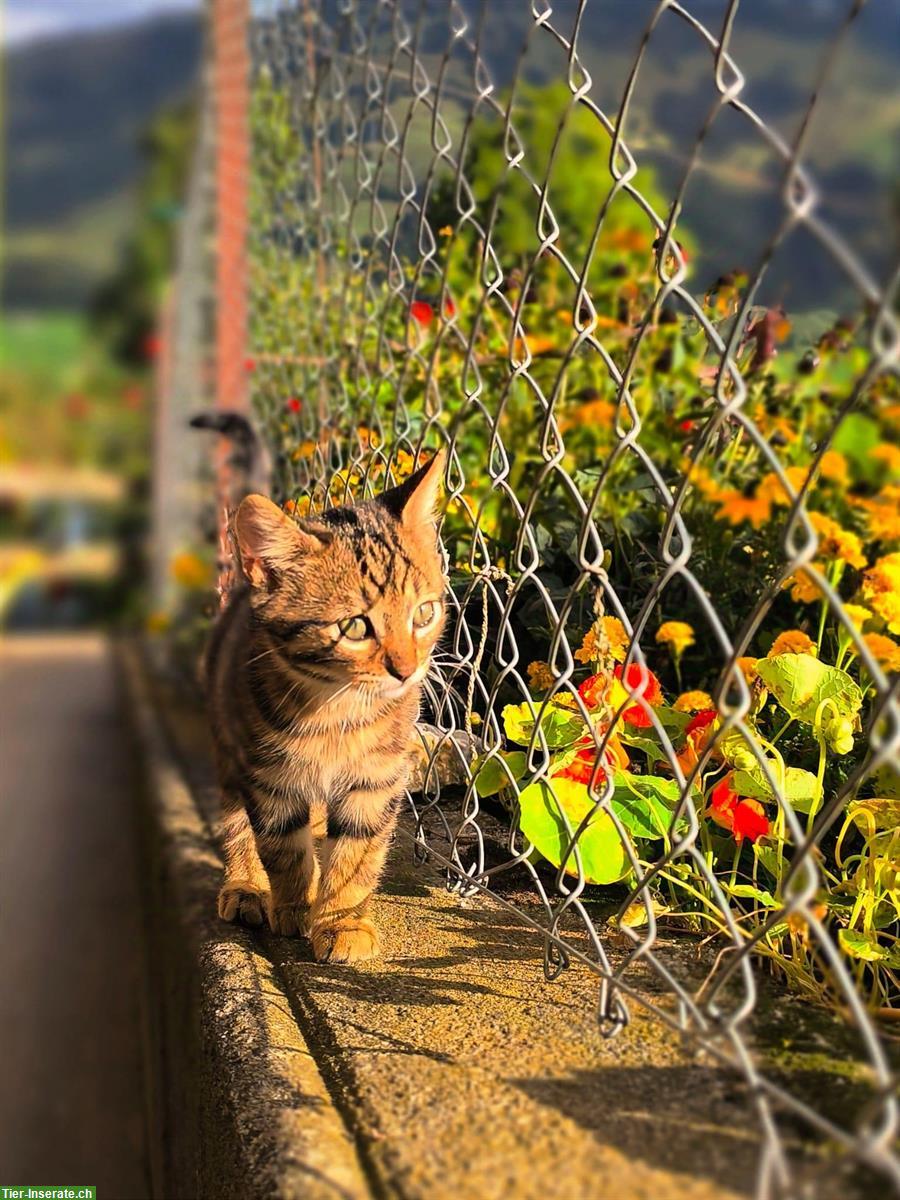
[[314, 673]]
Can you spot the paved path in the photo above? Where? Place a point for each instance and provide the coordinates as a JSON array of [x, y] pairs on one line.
[[71, 1091]]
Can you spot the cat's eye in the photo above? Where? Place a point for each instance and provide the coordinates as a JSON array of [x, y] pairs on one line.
[[426, 614], [354, 629]]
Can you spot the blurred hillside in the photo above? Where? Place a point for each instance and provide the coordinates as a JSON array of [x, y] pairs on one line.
[[77, 109]]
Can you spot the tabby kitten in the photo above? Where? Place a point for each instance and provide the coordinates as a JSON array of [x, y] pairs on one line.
[[314, 671]]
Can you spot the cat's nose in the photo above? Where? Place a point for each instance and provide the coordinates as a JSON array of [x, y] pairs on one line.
[[401, 668]]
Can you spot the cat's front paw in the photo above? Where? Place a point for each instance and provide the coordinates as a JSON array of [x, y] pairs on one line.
[[242, 902], [288, 919], [353, 939]]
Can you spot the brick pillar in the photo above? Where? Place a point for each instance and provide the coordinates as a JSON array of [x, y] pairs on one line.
[[229, 29]]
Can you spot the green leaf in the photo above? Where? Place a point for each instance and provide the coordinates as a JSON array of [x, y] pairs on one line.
[[541, 819], [492, 778], [748, 891], [800, 788], [644, 803], [857, 436], [800, 683], [862, 945], [560, 726], [770, 860]]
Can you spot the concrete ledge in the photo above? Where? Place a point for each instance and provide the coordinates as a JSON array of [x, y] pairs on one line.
[[448, 1068], [240, 1107]]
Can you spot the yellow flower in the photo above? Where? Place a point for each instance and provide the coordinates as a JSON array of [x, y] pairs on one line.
[[792, 641], [881, 588], [883, 513], [884, 649], [834, 467], [610, 638], [298, 507], [190, 571], [858, 614], [617, 636], [804, 588], [889, 455], [736, 508], [540, 677], [702, 480], [837, 542], [772, 489], [158, 622], [691, 702], [747, 665], [305, 450], [677, 635]]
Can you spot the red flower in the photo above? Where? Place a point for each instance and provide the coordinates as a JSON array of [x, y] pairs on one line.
[[581, 768], [294, 404], [750, 820], [642, 683], [700, 720], [593, 690], [152, 345], [249, 364], [687, 426], [743, 818], [449, 308], [421, 311]]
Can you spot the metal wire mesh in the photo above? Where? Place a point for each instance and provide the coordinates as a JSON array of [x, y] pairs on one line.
[[451, 244]]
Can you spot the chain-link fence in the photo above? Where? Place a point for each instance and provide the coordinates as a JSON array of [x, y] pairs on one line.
[[571, 244]]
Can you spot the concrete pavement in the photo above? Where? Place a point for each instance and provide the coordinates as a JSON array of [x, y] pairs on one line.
[[71, 1085]]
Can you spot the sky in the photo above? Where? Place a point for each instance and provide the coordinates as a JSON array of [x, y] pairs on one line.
[[27, 19]]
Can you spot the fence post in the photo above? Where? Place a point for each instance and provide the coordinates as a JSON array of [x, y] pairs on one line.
[[231, 106]]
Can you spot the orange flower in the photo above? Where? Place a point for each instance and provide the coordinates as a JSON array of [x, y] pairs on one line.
[[736, 508], [884, 649], [747, 666], [881, 588], [613, 632], [771, 488], [889, 455], [691, 702], [883, 513], [617, 636], [837, 542], [743, 818], [792, 641], [594, 690], [834, 467], [804, 588], [540, 677]]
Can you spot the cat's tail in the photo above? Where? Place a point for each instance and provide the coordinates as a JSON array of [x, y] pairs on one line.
[[249, 470], [250, 467]]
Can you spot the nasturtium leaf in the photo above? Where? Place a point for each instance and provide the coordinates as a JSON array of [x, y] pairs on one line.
[[749, 892], [644, 803], [876, 813], [635, 915], [541, 809], [800, 683], [672, 720], [492, 778], [560, 726], [769, 858], [862, 945], [800, 788]]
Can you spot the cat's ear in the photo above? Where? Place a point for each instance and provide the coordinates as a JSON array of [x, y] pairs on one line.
[[414, 502], [269, 541]]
